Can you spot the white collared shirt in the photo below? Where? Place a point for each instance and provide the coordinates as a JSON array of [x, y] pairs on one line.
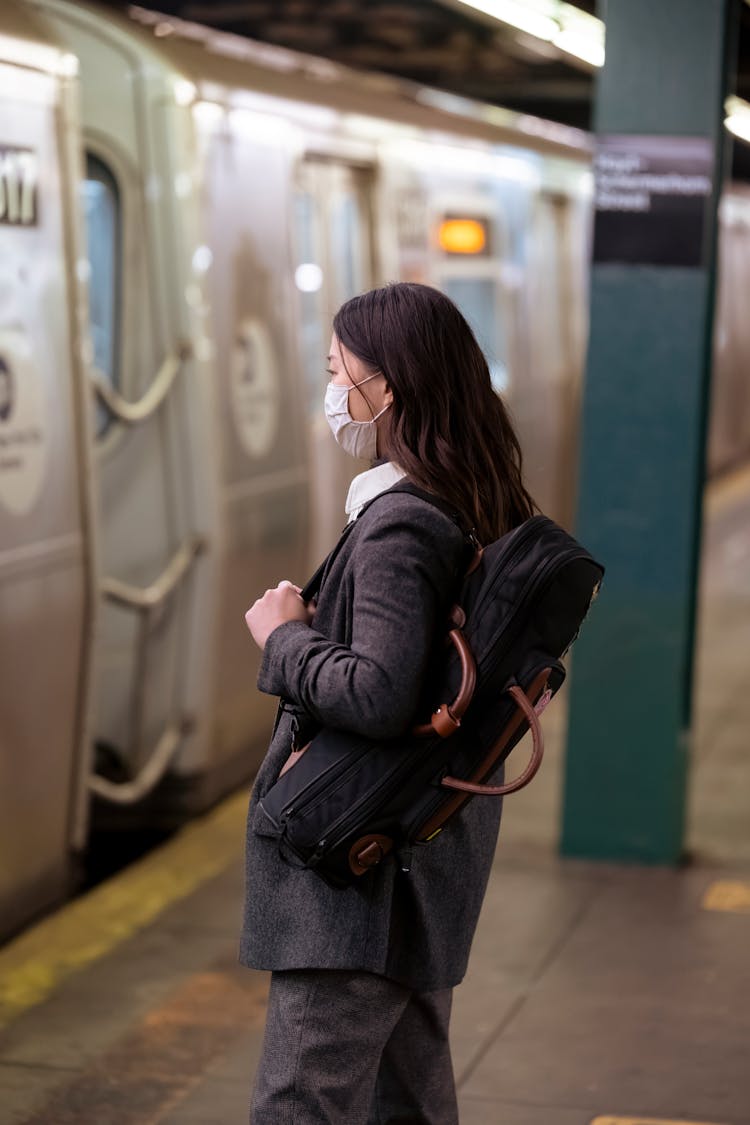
[[369, 484]]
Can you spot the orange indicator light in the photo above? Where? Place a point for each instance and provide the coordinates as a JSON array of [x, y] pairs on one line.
[[462, 236]]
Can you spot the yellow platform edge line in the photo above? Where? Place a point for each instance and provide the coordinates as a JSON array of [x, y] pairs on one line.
[[645, 1121], [728, 488], [730, 895], [42, 957]]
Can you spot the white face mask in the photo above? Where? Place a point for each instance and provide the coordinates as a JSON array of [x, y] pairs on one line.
[[358, 439]]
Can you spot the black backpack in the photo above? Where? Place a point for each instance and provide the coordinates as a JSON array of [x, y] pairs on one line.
[[344, 802]]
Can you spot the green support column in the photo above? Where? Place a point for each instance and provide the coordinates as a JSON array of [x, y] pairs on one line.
[[659, 140]]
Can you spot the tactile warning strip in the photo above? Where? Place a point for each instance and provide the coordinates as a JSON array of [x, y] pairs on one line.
[[728, 894]]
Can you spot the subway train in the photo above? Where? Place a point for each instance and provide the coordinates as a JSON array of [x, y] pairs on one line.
[[181, 213]]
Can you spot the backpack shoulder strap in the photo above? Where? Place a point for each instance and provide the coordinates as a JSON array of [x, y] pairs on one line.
[[312, 586], [469, 534], [429, 498]]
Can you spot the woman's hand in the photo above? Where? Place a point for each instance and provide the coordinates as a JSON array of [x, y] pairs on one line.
[[275, 608]]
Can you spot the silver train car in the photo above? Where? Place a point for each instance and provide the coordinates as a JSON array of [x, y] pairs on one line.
[[181, 213]]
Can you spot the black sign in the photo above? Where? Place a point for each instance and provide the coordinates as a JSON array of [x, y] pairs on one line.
[[651, 199], [18, 186]]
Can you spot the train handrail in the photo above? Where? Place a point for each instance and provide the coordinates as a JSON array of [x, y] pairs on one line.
[[146, 598], [154, 768], [133, 412]]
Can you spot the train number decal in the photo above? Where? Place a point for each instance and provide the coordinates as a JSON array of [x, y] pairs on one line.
[[22, 408], [18, 186]]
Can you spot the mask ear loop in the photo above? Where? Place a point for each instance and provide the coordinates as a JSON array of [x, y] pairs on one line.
[[354, 385]]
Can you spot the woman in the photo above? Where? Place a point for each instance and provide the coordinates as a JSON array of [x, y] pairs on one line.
[[357, 1025]]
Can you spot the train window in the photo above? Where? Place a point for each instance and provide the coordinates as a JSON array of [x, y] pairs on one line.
[[101, 206], [349, 274], [478, 300], [332, 255], [309, 278]]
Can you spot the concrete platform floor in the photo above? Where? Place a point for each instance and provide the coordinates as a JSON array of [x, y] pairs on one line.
[[596, 995]]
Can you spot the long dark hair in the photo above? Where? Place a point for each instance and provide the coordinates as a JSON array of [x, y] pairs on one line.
[[447, 428]]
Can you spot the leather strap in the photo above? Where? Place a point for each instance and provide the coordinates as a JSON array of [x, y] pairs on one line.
[[368, 851], [452, 805], [446, 719], [537, 752]]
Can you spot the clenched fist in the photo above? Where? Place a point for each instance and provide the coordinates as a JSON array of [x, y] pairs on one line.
[[276, 607]]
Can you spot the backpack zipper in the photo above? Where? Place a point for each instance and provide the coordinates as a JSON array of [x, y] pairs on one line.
[[305, 800], [525, 531], [544, 572], [339, 830]]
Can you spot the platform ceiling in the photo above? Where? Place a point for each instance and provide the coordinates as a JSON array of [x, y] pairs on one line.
[[438, 43]]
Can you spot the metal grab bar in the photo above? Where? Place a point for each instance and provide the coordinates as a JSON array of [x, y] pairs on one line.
[[148, 597], [128, 792], [144, 600], [133, 412]]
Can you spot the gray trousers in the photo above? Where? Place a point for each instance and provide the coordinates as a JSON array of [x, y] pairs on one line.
[[354, 1048]]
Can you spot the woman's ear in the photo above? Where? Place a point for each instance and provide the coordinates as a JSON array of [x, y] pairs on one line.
[[387, 395]]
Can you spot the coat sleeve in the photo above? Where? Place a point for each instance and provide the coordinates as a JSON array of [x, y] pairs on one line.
[[406, 565]]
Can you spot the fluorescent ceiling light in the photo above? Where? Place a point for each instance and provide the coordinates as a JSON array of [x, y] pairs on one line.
[[571, 30], [582, 46], [530, 18], [737, 120]]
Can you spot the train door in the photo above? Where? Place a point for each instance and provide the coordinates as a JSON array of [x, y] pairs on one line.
[[47, 594], [245, 172], [150, 443], [333, 261]]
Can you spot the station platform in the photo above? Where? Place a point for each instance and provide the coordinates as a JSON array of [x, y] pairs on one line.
[[597, 994]]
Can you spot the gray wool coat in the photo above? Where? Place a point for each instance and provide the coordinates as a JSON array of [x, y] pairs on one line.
[[360, 667]]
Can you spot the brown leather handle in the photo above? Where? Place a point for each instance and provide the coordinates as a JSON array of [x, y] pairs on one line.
[[537, 752], [447, 718]]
